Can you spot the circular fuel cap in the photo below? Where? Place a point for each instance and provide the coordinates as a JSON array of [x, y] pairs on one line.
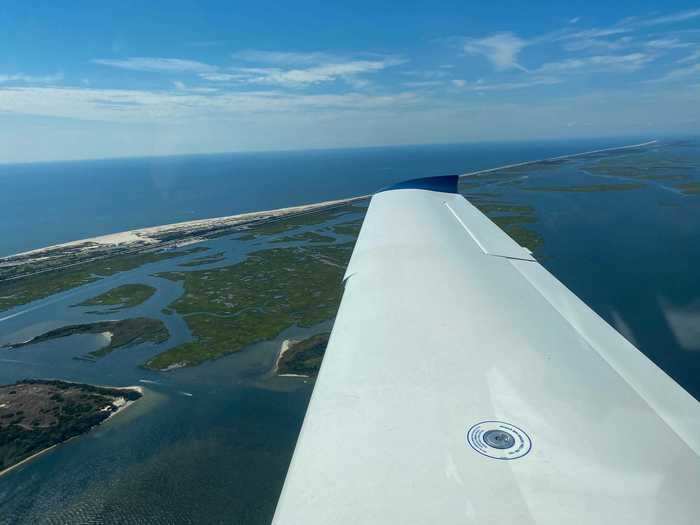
[[499, 440]]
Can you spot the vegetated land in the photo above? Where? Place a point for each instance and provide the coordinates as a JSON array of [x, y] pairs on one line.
[[37, 414], [689, 188], [66, 267], [514, 219], [146, 240], [125, 296], [677, 167], [303, 357], [589, 187], [21, 291], [127, 332], [285, 225], [254, 300], [351, 228], [497, 193]]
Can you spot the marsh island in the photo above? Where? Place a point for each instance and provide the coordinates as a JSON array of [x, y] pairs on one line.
[[36, 414]]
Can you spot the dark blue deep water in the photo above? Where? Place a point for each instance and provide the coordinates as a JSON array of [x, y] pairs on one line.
[[50, 203]]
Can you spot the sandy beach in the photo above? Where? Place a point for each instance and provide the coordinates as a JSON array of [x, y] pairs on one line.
[[152, 235], [286, 344]]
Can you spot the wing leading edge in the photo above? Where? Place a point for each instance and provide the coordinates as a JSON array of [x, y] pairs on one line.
[[463, 383]]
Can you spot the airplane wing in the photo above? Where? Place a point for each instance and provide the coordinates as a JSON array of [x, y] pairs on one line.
[[464, 384]]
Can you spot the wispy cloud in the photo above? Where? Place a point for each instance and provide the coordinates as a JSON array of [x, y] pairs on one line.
[[668, 43], [599, 43], [182, 87], [681, 73], [582, 38], [693, 57], [283, 57], [680, 16], [609, 63], [423, 83], [348, 71], [31, 79], [626, 42], [481, 85], [113, 105], [501, 49], [157, 65]]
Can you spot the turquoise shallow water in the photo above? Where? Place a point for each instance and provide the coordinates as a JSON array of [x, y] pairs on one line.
[[211, 444]]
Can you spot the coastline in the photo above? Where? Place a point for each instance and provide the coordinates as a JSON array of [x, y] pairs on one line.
[[188, 232], [148, 237], [119, 409], [286, 344], [560, 157], [33, 456]]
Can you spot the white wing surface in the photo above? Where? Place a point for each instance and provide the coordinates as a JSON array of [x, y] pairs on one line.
[[464, 384]]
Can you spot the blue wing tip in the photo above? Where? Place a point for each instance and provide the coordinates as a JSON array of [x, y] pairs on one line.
[[444, 184]]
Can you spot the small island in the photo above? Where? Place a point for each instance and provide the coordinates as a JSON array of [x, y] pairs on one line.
[[121, 297], [121, 334], [37, 414], [302, 358]]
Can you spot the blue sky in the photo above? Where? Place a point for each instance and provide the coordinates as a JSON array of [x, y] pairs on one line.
[[104, 79]]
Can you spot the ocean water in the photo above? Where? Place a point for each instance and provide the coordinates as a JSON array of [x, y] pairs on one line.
[[49, 203], [211, 444]]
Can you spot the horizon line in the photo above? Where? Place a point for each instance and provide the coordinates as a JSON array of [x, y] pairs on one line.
[[329, 149]]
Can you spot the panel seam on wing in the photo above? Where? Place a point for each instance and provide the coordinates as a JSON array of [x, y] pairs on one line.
[[617, 369], [476, 240], [460, 221]]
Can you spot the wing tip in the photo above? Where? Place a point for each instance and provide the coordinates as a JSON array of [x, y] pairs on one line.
[[444, 184]]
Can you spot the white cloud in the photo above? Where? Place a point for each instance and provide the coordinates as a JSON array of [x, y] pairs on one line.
[[585, 34], [282, 57], [31, 79], [580, 39], [681, 73], [423, 83], [663, 43], [668, 43], [157, 65], [182, 87], [113, 105], [501, 49], [481, 86], [693, 57], [609, 63], [231, 123], [224, 77], [347, 71], [681, 16], [599, 43]]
